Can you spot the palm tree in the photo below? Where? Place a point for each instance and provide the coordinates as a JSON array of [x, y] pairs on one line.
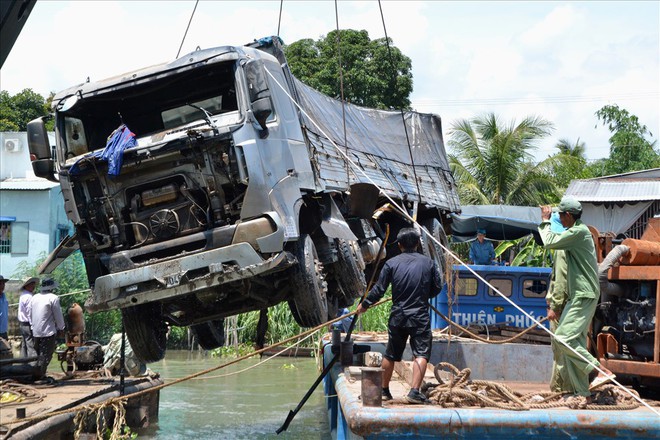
[[576, 150], [493, 164], [569, 163]]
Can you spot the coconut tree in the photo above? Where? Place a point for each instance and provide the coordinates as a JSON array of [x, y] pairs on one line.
[[569, 163], [493, 162]]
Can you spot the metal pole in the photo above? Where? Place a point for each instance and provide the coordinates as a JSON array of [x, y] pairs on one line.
[[122, 368]]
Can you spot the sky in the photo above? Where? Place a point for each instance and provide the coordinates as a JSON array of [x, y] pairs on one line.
[[561, 61]]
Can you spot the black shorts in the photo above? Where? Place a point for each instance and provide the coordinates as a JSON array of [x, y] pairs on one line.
[[420, 342]]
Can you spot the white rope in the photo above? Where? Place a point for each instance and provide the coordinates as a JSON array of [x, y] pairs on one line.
[[409, 218]]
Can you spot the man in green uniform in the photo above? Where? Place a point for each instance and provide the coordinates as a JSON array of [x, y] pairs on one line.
[[583, 293], [556, 297]]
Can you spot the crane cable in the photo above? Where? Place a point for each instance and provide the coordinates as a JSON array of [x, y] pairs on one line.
[[403, 117], [188, 27]]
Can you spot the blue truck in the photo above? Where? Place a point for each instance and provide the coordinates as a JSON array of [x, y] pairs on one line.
[[471, 301]]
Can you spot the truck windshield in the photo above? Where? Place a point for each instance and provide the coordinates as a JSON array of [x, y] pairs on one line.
[[148, 107]]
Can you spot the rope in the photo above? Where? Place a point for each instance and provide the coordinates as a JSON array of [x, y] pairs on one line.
[[459, 391], [255, 365], [405, 214], [13, 393], [489, 341], [114, 400]]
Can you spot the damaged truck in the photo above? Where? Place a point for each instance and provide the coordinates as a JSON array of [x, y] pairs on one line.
[[218, 184]]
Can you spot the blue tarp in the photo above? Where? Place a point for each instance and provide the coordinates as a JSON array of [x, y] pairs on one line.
[[501, 222], [120, 139]]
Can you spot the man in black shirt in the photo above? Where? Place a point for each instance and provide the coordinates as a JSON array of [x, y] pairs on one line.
[[414, 278]]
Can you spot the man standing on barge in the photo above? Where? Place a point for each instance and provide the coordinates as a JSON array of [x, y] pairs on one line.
[[414, 278], [583, 294]]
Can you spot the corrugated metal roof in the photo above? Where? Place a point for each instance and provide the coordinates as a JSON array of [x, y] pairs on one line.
[[27, 184], [624, 190]]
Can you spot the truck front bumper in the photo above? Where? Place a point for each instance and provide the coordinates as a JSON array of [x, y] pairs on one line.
[[172, 278], [233, 257]]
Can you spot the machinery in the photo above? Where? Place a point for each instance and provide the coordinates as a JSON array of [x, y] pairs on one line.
[[79, 355], [626, 324]]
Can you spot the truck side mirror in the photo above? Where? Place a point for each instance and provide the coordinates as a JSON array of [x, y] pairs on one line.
[[42, 163], [259, 92]]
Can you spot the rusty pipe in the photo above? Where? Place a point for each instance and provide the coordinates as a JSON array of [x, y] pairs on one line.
[[642, 253]]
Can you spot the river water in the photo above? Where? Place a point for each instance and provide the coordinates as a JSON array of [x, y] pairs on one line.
[[244, 405]]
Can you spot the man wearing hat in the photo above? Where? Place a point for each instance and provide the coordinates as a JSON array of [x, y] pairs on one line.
[[481, 250], [47, 322], [557, 294], [4, 310], [24, 316], [583, 293]]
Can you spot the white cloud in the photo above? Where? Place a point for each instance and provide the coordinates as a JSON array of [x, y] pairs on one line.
[[560, 60]]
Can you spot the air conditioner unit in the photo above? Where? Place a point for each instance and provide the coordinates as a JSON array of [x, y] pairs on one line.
[[13, 145]]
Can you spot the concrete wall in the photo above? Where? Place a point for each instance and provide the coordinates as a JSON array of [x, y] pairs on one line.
[[35, 203]]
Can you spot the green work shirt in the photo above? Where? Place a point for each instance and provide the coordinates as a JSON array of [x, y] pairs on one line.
[[580, 258], [558, 290]]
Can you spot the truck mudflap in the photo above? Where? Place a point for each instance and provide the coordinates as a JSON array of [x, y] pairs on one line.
[[182, 276]]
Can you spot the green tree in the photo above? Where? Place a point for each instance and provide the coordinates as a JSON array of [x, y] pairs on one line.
[[74, 288], [16, 111], [630, 150], [370, 78], [569, 163], [493, 164]]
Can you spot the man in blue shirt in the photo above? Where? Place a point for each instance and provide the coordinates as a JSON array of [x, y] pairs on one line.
[[4, 309], [481, 250], [414, 278]]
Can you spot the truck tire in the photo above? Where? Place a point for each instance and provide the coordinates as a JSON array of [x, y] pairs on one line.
[[430, 248], [210, 334], [146, 331], [348, 275], [309, 289]]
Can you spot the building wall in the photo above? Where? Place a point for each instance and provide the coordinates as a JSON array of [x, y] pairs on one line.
[[42, 208], [15, 162]]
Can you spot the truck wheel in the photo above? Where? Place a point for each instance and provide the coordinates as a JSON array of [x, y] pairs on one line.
[[146, 331], [210, 334], [430, 248], [348, 273], [307, 302]]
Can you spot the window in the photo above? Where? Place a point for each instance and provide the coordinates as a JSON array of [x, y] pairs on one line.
[[535, 288], [62, 233], [503, 285], [466, 287], [14, 237], [5, 237]]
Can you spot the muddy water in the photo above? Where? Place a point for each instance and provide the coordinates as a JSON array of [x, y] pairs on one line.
[[248, 405]]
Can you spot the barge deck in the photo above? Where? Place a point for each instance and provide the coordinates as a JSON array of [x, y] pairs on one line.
[[524, 368], [64, 394]]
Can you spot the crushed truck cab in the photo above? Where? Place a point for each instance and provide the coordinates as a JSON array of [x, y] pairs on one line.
[[213, 185]]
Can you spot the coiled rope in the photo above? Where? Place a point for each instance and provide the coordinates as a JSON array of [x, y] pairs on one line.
[[459, 391]]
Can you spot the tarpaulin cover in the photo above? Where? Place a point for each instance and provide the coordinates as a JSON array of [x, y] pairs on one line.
[[501, 222], [376, 141]]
